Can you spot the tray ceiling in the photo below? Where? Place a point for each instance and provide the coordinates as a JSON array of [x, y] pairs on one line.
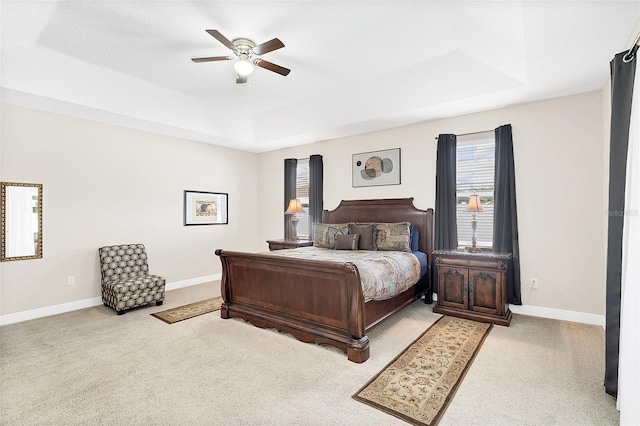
[[357, 66]]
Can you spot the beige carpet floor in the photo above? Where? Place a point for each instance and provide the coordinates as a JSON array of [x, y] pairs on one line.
[[93, 367]]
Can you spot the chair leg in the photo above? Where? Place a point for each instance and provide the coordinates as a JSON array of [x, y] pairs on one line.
[[159, 302]]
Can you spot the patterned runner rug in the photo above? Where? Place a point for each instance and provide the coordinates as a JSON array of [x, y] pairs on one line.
[[419, 383], [189, 311]]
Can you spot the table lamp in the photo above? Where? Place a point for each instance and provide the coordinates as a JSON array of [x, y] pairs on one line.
[[295, 206], [474, 206]]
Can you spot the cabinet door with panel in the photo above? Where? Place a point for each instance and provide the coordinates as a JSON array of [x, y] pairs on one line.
[[453, 291], [484, 292]]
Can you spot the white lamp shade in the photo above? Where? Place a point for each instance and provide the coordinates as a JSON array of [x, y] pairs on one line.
[[474, 204], [295, 206], [243, 67]]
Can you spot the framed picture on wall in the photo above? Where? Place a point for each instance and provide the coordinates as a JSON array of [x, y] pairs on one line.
[[205, 208], [376, 168]]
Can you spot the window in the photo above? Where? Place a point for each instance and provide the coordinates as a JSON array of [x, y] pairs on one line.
[[302, 194], [475, 165]]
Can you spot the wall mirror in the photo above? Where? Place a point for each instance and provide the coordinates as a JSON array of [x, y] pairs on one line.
[[21, 221]]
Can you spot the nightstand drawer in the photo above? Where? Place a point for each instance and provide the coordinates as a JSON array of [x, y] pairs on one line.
[[466, 262]]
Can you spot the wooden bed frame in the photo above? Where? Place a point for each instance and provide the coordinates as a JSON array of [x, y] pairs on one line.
[[318, 301]]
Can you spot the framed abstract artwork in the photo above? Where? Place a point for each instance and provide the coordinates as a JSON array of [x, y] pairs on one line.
[[205, 208], [376, 168]]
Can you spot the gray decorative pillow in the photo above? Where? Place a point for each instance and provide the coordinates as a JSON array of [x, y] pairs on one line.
[[324, 234], [393, 236], [319, 235], [367, 235], [347, 242]]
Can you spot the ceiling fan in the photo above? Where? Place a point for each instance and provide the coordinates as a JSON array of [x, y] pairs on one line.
[[245, 51]]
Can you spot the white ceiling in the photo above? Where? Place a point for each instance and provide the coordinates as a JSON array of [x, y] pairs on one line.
[[357, 66]]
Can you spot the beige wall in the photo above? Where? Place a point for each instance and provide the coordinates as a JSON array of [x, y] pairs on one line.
[[108, 185], [558, 148], [104, 185]]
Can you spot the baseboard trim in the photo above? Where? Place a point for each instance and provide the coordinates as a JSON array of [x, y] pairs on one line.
[[49, 310], [535, 311], [558, 314], [551, 313], [89, 303], [192, 281]]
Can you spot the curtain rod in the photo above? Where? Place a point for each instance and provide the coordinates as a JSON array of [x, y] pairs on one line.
[[473, 133], [628, 57]]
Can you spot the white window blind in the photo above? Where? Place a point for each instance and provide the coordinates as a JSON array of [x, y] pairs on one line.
[[475, 164], [302, 194]]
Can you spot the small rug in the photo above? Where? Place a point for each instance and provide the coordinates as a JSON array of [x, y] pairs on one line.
[[189, 311], [419, 383]]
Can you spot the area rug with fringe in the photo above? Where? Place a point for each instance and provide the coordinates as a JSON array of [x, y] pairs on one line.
[[419, 383], [189, 311]]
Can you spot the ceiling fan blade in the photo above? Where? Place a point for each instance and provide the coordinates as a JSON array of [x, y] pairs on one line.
[[268, 46], [222, 39], [213, 58], [272, 67], [241, 78]]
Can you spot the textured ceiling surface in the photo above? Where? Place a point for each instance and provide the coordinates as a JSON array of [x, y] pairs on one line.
[[357, 66]]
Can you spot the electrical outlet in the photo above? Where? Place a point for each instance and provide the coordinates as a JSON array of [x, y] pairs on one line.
[[71, 280], [534, 283]]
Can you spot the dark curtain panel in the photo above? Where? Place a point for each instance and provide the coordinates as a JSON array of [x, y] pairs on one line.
[[445, 221], [505, 216], [290, 176], [316, 200], [622, 75]]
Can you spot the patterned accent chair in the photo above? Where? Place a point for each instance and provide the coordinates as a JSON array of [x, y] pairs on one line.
[[126, 282]]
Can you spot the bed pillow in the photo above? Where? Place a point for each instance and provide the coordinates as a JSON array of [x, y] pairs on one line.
[[414, 238], [366, 232], [324, 234], [393, 236], [318, 234], [347, 242]]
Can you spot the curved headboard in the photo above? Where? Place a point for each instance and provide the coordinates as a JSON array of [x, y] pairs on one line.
[[386, 210]]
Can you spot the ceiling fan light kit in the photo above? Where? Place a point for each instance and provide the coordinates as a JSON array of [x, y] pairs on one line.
[[244, 51], [243, 67]]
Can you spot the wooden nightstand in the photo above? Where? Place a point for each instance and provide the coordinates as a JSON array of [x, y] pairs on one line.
[[288, 244], [473, 285]]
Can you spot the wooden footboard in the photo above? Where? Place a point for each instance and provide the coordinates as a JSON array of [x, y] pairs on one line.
[[315, 301], [319, 301]]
